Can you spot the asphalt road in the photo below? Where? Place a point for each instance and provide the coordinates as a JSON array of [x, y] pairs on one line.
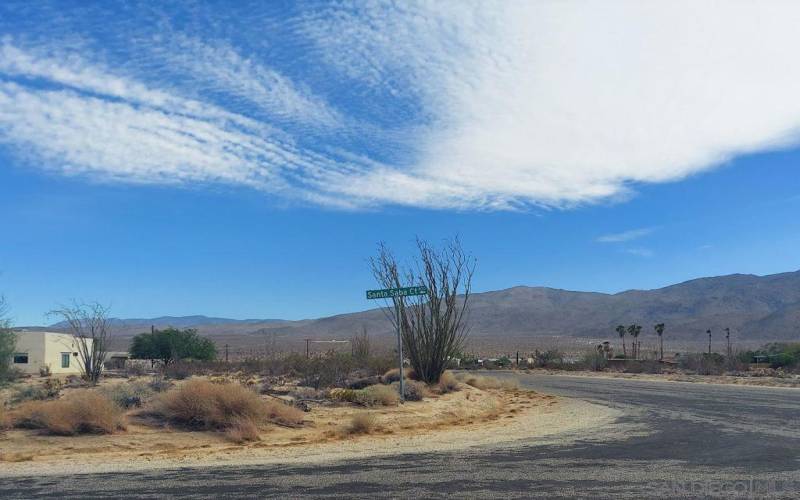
[[674, 440]]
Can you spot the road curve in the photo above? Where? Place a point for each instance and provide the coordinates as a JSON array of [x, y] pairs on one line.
[[672, 440]]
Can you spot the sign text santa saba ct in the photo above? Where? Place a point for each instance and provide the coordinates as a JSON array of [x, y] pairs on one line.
[[388, 293]]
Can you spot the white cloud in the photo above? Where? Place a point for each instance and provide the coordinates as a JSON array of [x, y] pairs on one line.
[[624, 236], [640, 252], [507, 104], [221, 68], [559, 103]]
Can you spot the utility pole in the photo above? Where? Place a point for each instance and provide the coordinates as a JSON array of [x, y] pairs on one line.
[[400, 349], [709, 341], [226, 353], [308, 353], [728, 339]]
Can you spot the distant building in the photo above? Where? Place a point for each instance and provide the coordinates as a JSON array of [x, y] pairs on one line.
[[36, 350]]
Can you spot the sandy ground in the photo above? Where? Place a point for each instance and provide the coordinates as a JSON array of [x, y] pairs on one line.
[[753, 380], [469, 417]]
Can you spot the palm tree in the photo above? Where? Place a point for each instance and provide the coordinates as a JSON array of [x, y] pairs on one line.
[[632, 332], [659, 328], [621, 332]]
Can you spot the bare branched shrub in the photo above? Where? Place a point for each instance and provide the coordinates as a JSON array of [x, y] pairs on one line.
[[362, 423], [8, 340], [433, 326], [89, 326], [83, 412]]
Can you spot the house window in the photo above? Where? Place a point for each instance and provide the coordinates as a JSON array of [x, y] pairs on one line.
[[64, 360], [20, 358]]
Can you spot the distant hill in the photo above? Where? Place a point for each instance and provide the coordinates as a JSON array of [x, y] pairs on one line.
[[754, 307]]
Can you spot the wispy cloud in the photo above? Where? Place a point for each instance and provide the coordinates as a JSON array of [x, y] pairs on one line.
[[469, 105], [630, 235], [640, 252]]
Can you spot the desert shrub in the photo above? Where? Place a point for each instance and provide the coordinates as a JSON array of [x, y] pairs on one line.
[[199, 404], [594, 361], [362, 423], [412, 390], [4, 424], [50, 389], [380, 363], [447, 383], [44, 371], [330, 370], [74, 381], [484, 383], [180, 370], [392, 375], [551, 358], [281, 413], [129, 394], [361, 383], [703, 364], [134, 369], [375, 395], [348, 395], [83, 412], [242, 430], [159, 384]]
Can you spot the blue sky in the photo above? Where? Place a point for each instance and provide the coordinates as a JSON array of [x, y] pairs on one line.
[[243, 161]]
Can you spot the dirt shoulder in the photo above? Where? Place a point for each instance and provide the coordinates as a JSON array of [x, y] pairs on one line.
[[469, 417], [789, 381]]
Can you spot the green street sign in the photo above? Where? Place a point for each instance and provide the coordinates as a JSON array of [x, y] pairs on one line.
[[388, 293]]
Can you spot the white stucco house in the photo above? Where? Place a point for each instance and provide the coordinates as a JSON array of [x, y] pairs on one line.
[[35, 350]]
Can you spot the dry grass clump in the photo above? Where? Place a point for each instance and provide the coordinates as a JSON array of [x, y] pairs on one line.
[[376, 395], [283, 414], [483, 383], [412, 390], [362, 423], [243, 430], [3, 417], [199, 404], [448, 383], [393, 375], [84, 412]]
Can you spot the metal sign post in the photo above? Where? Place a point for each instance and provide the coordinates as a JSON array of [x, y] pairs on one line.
[[393, 293]]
